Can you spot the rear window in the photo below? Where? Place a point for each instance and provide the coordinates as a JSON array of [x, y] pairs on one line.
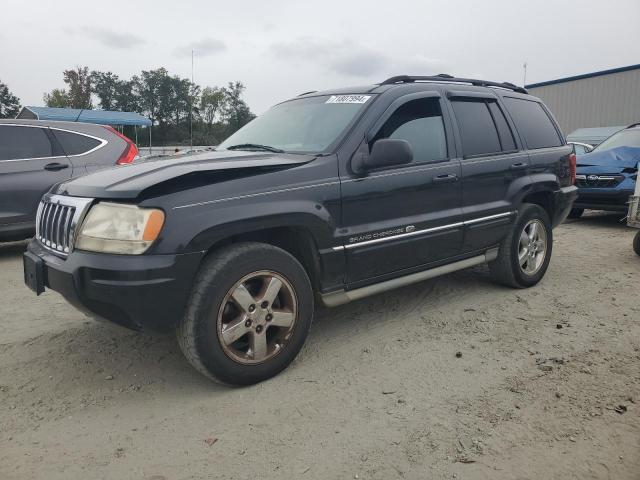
[[533, 123], [17, 143], [74, 143], [478, 132]]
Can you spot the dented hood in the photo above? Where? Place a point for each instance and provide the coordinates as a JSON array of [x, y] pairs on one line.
[[129, 181], [620, 157]]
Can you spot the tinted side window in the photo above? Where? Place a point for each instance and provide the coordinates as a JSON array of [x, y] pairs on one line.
[[420, 123], [506, 135], [75, 144], [478, 132], [533, 123], [18, 142]]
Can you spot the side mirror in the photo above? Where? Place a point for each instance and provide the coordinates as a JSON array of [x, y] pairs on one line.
[[387, 152]]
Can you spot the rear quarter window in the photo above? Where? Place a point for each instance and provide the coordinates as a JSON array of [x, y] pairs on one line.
[[533, 123], [18, 142], [74, 143]]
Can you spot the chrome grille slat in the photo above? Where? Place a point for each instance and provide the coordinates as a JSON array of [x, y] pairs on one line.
[[67, 232], [57, 221]]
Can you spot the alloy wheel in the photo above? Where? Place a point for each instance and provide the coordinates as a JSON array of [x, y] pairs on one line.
[[257, 317], [532, 247]]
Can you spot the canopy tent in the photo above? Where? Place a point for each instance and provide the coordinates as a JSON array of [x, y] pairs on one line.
[[102, 117]]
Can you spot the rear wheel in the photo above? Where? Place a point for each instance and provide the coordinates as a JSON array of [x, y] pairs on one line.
[[576, 213], [525, 253], [636, 243], [249, 314]]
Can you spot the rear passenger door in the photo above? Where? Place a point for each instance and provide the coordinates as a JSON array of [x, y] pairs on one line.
[[404, 217], [492, 166], [30, 163]]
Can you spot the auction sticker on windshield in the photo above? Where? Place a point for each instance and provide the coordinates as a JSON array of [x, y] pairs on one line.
[[348, 99]]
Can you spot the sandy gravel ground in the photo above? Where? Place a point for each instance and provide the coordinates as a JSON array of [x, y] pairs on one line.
[[546, 384]]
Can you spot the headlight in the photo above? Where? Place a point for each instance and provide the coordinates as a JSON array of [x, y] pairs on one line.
[[119, 228]]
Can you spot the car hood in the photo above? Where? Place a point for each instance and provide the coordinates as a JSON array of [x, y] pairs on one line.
[[129, 181], [619, 158]]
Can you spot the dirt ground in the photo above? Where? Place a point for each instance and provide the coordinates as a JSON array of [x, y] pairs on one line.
[[451, 378]]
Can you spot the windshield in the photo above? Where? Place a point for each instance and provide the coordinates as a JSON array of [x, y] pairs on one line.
[[624, 138], [306, 125]]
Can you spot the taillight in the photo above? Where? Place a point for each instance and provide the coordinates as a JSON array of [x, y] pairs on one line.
[[572, 168], [130, 152]]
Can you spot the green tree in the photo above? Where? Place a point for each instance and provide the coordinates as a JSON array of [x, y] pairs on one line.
[[105, 86], [79, 82], [125, 96], [235, 111], [9, 103], [151, 89], [211, 103], [58, 98]]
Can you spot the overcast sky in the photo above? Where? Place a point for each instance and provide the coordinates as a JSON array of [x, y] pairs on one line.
[[279, 49]]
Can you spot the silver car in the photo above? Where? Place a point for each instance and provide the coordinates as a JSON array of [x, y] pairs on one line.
[[35, 155]]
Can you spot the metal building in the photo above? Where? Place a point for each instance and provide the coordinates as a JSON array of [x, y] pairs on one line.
[[599, 99]]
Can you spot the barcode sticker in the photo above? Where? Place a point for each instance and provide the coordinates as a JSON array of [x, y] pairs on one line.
[[348, 99]]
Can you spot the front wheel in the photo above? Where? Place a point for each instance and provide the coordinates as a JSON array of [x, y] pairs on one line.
[[636, 243], [249, 314], [524, 255]]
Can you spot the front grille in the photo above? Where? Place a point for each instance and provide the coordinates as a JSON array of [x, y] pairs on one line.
[[54, 227], [598, 181], [57, 219]]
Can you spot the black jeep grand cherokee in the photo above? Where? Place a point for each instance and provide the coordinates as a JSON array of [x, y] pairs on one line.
[[334, 195]]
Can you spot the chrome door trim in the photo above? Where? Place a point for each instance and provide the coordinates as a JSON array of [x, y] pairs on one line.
[[102, 141], [424, 231]]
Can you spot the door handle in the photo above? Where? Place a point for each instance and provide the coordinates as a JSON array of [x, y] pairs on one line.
[[519, 166], [55, 166], [450, 178]]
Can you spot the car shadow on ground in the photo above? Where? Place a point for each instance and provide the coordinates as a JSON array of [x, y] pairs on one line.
[[599, 219], [99, 355]]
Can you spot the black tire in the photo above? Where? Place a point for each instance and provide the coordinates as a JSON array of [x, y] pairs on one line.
[[636, 243], [198, 331], [576, 213], [506, 269]]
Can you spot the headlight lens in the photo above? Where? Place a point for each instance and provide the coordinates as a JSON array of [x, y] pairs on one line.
[[119, 228]]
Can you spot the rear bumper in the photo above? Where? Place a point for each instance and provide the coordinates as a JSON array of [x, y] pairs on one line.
[[145, 292], [563, 200], [612, 200]]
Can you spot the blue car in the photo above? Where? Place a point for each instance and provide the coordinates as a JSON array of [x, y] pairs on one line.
[[606, 177]]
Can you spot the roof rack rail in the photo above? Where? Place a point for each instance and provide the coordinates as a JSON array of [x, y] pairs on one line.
[[449, 78], [307, 93]]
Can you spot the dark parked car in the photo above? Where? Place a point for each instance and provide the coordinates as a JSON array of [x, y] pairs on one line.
[[332, 196], [607, 176], [35, 155]]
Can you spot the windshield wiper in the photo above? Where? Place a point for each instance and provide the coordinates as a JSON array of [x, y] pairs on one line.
[[255, 146]]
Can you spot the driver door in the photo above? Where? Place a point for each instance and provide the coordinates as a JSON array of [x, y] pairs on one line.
[[402, 218]]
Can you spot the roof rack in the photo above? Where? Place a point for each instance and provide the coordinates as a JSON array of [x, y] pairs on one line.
[[307, 93], [443, 77]]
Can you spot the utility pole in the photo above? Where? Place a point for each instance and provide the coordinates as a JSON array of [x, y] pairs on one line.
[[191, 104], [524, 80]]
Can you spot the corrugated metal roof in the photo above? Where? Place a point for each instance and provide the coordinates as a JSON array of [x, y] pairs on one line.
[[584, 75], [102, 117]]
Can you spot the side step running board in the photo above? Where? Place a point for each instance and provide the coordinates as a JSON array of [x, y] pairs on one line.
[[341, 297]]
